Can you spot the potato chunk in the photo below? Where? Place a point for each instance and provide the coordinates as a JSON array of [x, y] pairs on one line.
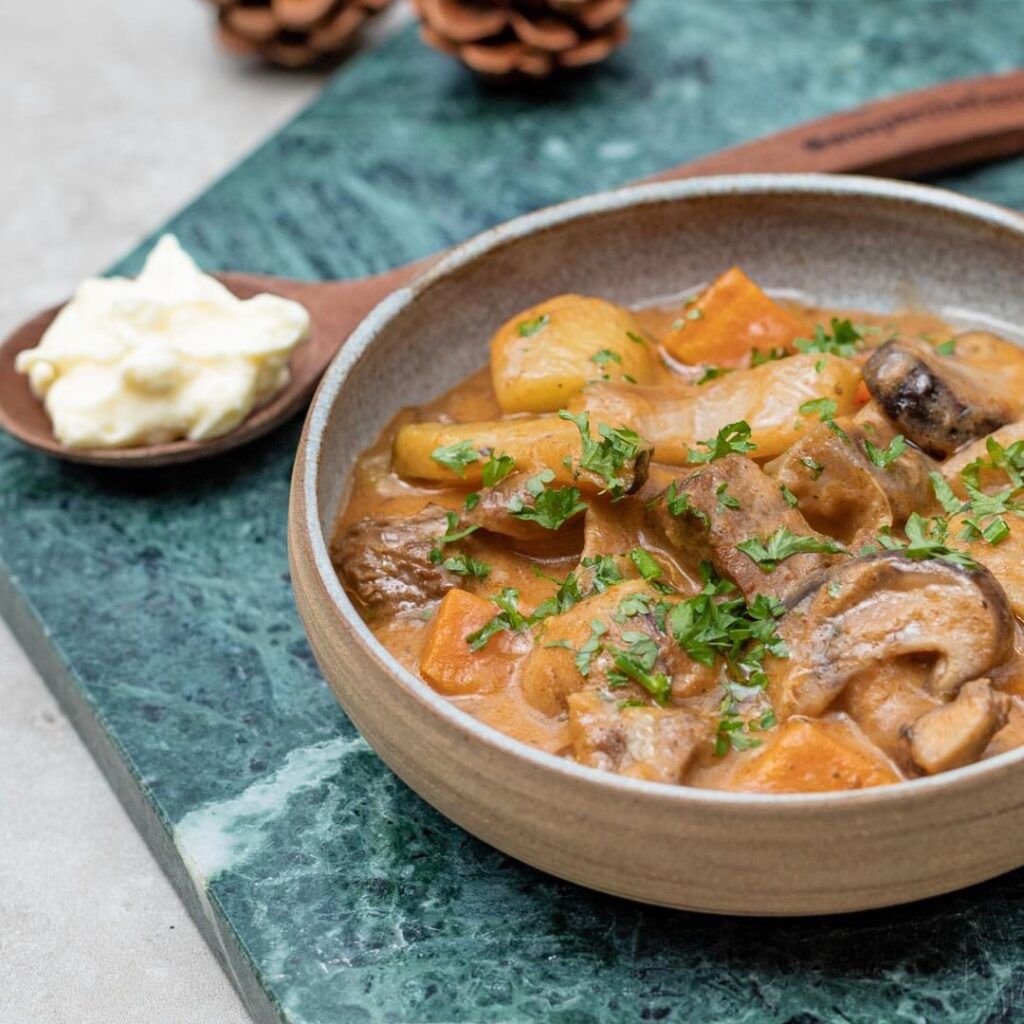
[[545, 355], [728, 321], [814, 756]]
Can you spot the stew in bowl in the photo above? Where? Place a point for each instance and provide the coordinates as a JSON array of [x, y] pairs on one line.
[[733, 542]]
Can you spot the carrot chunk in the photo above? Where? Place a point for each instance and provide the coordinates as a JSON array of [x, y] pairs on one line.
[[448, 663], [731, 319]]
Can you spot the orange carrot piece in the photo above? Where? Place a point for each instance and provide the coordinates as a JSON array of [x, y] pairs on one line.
[[448, 663], [730, 320]]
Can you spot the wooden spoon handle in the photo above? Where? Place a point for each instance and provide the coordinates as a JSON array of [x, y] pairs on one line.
[[910, 134]]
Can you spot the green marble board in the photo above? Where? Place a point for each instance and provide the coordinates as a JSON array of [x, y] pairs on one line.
[[158, 604]]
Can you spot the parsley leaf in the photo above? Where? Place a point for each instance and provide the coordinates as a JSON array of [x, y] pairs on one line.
[[724, 498], [528, 328], [758, 358], [456, 457], [553, 507], [789, 497], [463, 565], [885, 457], [1010, 460], [844, 340], [946, 348], [732, 439], [646, 564], [678, 504], [944, 494], [496, 468], [605, 458], [635, 338], [926, 539], [712, 373], [565, 597], [605, 356], [813, 465], [637, 663], [605, 572], [509, 618], [767, 552]]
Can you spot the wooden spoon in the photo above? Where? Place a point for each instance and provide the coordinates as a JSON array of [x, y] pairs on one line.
[[910, 134]]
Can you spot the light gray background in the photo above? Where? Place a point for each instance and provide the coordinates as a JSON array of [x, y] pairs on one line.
[[115, 113]]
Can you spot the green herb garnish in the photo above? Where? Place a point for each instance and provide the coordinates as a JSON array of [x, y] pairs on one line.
[[552, 507], [732, 439], [508, 619], [768, 552], [456, 457], [528, 328], [885, 457]]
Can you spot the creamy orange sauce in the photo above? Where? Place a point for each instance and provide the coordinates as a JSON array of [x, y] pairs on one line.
[[377, 490]]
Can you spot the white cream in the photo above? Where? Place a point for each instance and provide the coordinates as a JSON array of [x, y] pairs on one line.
[[170, 354]]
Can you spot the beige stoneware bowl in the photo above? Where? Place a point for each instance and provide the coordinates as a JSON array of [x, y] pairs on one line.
[[838, 241]]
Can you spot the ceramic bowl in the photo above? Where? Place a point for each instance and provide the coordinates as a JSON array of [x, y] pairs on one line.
[[842, 242]]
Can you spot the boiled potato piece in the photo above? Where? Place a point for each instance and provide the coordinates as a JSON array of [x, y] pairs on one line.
[[546, 354], [767, 397], [534, 443]]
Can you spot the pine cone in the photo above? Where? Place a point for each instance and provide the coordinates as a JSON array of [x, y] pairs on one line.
[[524, 38], [292, 33]]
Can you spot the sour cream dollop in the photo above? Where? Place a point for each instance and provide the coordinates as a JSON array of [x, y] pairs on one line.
[[170, 354]]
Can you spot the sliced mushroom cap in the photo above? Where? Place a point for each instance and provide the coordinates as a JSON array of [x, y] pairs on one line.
[[937, 403], [875, 609], [958, 732]]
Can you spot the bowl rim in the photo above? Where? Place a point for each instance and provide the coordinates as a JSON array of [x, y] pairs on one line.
[[478, 247]]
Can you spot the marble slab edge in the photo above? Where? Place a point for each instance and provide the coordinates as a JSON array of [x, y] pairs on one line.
[[29, 630]]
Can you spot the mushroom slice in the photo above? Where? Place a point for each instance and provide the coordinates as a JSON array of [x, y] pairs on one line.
[[875, 609], [958, 732], [937, 403], [842, 491]]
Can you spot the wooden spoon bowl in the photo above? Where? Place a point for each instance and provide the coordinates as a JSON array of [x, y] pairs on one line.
[[909, 134]]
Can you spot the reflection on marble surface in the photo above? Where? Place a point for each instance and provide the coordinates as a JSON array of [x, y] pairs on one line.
[[338, 891]]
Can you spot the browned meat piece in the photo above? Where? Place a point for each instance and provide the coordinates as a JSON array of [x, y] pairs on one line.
[[937, 403], [710, 526], [872, 610], [643, 742], [493, 513], [842, 492], [385, 561], [958, 732]]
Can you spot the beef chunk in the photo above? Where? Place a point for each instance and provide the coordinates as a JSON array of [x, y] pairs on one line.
[[385, 561], [729, 501]]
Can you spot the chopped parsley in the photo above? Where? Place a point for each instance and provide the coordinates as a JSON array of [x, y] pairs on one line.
[[635, 338], [605, 572], [813, 465], [758, 358], [528, 328], [463, 565], [646, 564], [732, 439], [768, 552], [605, 458], [712, 373], [552, 507], [946, 348], [471, 502], [450, 536], [788, 496], [724, 499], [496, 468], [678, 504], [885, 457], [844, 340], [1009, 460], [605, 356], [508, 619], [926, 538], [591, 647], [456, 457], [565, 597], [637, 663]]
